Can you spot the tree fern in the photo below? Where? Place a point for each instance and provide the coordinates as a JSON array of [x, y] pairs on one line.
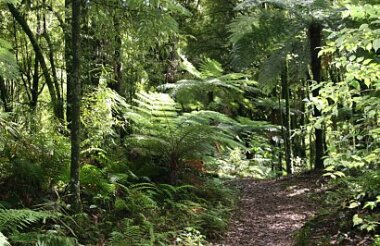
[[210, 88], [160, 129], [278, 29]]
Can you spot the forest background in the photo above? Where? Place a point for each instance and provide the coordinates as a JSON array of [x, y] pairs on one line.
[[123, 120]]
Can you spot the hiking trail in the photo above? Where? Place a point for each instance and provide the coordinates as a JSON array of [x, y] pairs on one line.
[[271, 211]]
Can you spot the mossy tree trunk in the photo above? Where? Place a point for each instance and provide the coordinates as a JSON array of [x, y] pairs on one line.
[[75, 110], [286, 119]]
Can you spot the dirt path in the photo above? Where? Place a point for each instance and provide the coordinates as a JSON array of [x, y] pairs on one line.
[[271, 211]]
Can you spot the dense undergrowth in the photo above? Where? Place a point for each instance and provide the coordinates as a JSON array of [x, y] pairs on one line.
[[152, 175], [349, 213], [164, 127], [118, 205]]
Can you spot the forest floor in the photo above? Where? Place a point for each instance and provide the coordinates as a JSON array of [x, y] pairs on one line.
[[271, 211]]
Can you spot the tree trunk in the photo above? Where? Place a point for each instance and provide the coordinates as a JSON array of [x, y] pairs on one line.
[[279, 141], [4, 96], [53, 68], [173, 170], [286, 119], [75, 110], [34, 88], [315, 38], [58, 111], [68, 62], [117, 85]]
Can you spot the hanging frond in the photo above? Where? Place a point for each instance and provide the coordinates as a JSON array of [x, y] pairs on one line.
[[211, 68], [225, 89], [189, 67], [8, 63], [257, 32]]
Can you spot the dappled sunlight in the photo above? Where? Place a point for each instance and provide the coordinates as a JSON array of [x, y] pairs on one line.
[[297, 192], [271, 211], [184, 122]]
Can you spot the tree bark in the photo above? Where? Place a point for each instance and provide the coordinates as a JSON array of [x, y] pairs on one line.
[[315, 38], [286, 119], [4, 96], [53, 67], [68, 61], [117, 85], [58, 110], [34, 88], [75, 110]]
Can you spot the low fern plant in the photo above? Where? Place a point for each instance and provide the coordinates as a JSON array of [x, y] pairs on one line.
[[14, 223]]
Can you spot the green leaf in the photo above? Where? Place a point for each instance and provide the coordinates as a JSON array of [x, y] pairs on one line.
[[339, 174], [370, 205], [376, 44], [329, 168], [357, 220], [371, 227], [369, 47], [354, 205], [367, 61]]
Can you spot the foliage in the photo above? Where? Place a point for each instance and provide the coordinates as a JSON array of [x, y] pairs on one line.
[[211, 88], [99, 109], [8, 62], [157, 211], [32, 160], [217, 66], [13, 222], [349, 108], [159, 130]]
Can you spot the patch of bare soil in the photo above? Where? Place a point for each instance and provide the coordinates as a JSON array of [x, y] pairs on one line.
[[271, 211]]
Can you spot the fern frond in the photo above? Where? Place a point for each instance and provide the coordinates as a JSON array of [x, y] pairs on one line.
[[133, 234], [8, 63], [211, 68], [46, 239], [14, 219]]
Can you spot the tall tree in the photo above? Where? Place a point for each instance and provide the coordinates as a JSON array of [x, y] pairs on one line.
[[68, 60], [75, 110], [315, 39], [286, 118], [283, 27], [55, 96]]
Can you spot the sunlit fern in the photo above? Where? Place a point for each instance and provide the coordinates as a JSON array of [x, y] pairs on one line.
[[210, 79]]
